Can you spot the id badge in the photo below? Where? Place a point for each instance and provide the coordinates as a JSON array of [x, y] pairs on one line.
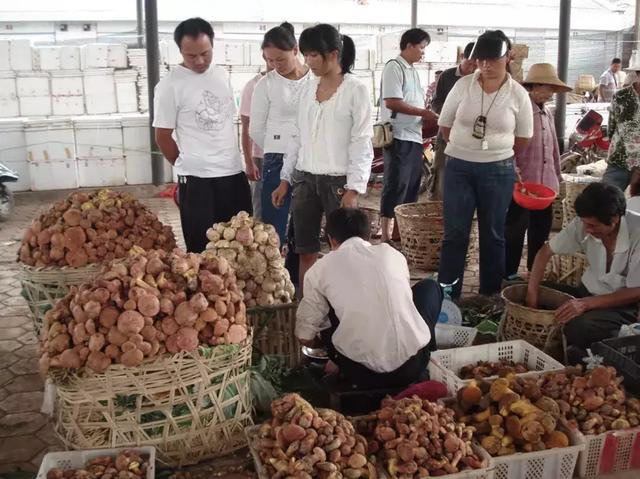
[[480, 127], [484, 145]]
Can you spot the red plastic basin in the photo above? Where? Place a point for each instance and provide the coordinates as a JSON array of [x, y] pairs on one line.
[[544, 195]]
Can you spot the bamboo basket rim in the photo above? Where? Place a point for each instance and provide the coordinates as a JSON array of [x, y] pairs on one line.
[[404, 209], [56, 274], [527, 308], [274, 307]]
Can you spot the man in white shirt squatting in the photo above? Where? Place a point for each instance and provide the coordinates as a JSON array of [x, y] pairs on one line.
[[377, 329], [193, 119], [609, 292]]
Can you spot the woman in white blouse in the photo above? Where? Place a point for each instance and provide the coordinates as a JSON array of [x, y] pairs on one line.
[[485, 117], [273, 110], [328, 161]]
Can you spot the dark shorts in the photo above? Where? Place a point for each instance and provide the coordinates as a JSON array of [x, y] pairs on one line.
[[402, 175], [313, 196]]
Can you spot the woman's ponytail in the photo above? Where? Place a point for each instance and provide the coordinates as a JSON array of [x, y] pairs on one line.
[[348, 57]]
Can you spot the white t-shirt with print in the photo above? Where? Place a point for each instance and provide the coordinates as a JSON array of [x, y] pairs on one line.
[[200, 108]]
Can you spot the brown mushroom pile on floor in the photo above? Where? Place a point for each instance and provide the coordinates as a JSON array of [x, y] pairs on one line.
[[129, 464], [144, 306], [88, 228]]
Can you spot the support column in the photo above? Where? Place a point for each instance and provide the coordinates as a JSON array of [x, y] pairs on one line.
[[564, 31], [153, 77]]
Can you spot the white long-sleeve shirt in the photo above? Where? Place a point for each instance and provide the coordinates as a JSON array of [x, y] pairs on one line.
[[368, 287], [333, 137], [273, 111]]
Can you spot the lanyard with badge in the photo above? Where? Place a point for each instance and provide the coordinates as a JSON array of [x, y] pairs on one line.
[[480, 125]]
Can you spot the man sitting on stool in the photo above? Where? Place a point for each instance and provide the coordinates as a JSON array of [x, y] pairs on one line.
[[377, 329], [609, 292]]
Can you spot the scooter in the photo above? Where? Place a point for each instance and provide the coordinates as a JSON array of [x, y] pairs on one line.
[[6, 197], [589, 143]]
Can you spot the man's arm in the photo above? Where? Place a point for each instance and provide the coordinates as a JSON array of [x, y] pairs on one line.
[[167, 144], [576, 307], [400, 106], [253, 174], [537, 273]]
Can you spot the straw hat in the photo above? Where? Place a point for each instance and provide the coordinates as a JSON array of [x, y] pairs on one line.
[[545, 74]]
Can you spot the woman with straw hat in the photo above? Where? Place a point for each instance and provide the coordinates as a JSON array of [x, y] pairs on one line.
[[539, 162]]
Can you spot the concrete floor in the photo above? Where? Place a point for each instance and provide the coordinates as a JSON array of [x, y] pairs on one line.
[[26, 435]]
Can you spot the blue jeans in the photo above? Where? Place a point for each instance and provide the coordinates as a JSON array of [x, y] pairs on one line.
[[487, 188], [616, 176], [278, 217]]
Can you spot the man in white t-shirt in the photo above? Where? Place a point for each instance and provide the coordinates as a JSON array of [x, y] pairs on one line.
[[402, 104], [193, 117], [610, 81]]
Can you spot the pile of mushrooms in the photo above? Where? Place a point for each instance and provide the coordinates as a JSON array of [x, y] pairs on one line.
[[252, 249], [593, 400], [303, 442], [417, 438], [143, 306], [90, 228], [128, 464], [485, 369], [511, 415]]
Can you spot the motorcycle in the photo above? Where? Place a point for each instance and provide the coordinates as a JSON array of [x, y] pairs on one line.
[[588, 143], [6, 196]]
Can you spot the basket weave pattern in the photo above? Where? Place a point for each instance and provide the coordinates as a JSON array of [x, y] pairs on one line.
[[43, 287], [190, 406], [274, 332], [556, 209], [566, 269]]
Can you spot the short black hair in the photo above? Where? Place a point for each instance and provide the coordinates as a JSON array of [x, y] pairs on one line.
[[468, 49], [615, 61], [414, 36], [193, 27], [601, 201], [345, 223], [282, 37]]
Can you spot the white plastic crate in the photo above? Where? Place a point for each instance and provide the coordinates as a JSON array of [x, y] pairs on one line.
[[78, 459], [444, 365], [609, 452], [454, 336], [558, 463]]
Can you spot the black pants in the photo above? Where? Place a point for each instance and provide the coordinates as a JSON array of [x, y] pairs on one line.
[[536, 224], [402, 175], [205, 201], [427, 296], [592, 326]]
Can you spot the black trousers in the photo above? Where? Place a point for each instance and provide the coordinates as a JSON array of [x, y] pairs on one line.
[[205, 201], [427, 296], [592, 326], [536, 224]]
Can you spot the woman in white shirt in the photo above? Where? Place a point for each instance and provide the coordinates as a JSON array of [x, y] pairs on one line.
[[273, 110], [328, 161], [485, 117]]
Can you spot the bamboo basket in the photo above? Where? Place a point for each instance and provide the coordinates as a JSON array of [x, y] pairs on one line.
[[556, 208], [43, 287], [274, 332], [566, 269], [536, 326], [574, 185], [374, 220], [189, 406], [421, 227]]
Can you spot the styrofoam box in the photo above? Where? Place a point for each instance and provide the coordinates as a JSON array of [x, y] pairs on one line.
[[12, 140], [94, 55], [78, 459], [117, 55], [67, 105], [33, 84], [100, 92], [22, 168], [101, 172], [610, 452], [35, 105], [138, 169], [49, 58], [5, 62], [126, 91], [9, 108], [49, 140], [444, 365], [53, 175], [98, 137], [70, 58], [20, 55], [66, 83], [8, 89]]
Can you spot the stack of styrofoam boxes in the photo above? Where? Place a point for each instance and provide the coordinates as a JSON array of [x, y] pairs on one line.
[[13, 152], [34, 94], [67, 93], [99, 151], [9, 106], [100, 91], [126, 90], [138, 60], [51, 154], [137, 154]]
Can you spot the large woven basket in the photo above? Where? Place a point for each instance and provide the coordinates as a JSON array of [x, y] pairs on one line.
[[574, 185], [566, 269], [556, 208], [189, 406], [421, 227], [274, 332], [43, 287], [536, 326]]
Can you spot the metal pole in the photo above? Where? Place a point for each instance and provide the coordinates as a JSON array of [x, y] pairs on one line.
[[563, 68], [414, 13], [637, 25], [153, 77], [140, 20]]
